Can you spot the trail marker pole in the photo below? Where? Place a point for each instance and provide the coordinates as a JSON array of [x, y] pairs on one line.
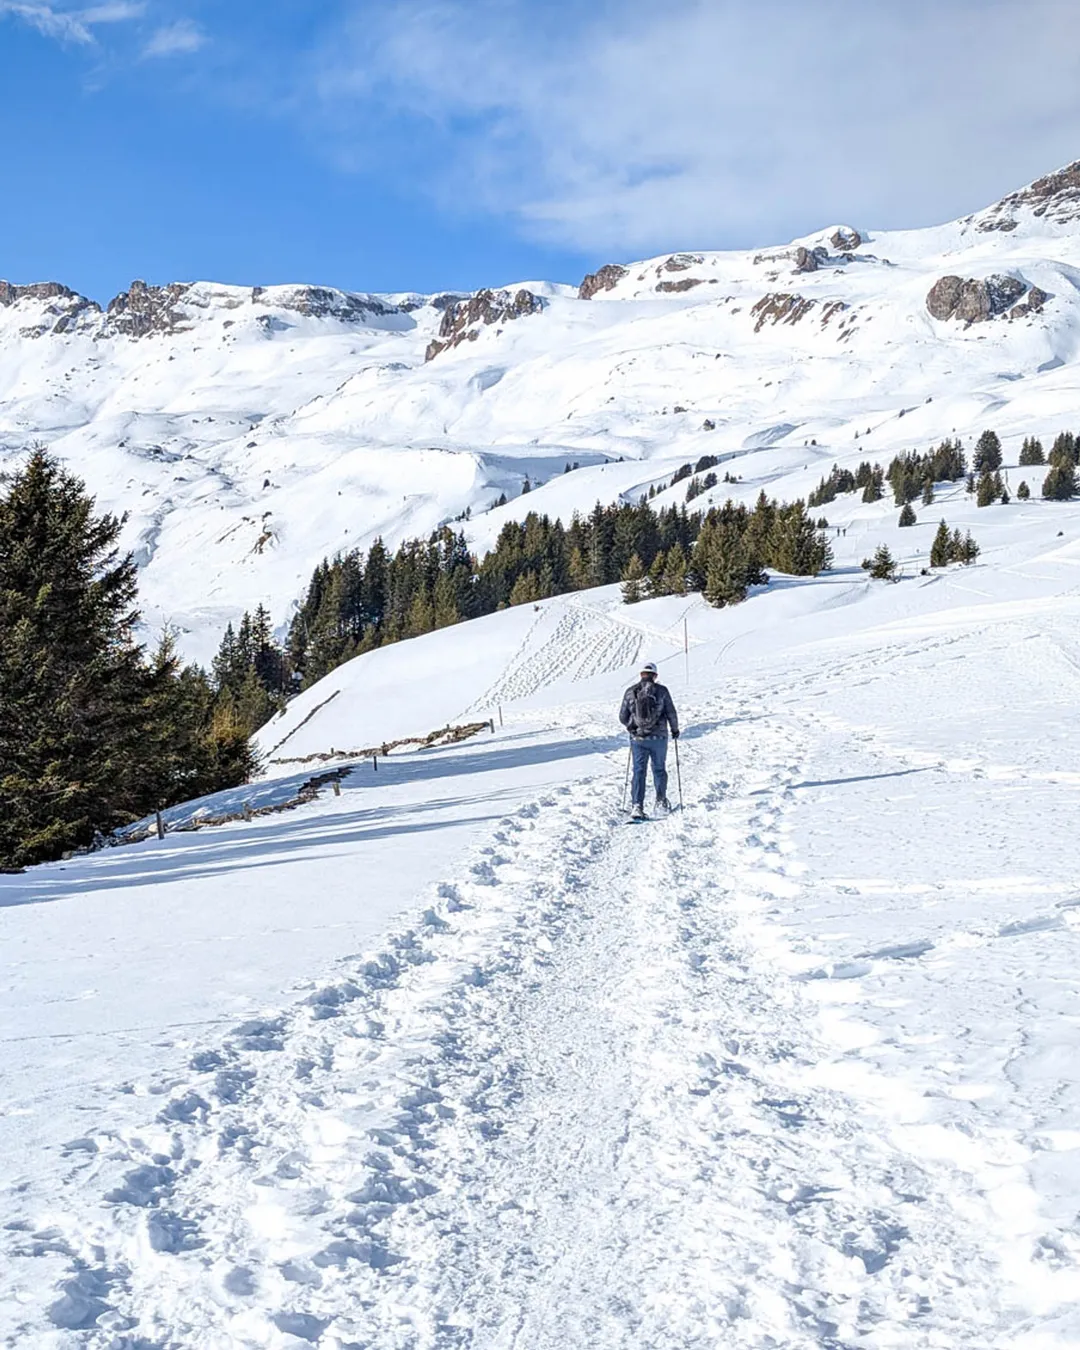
[[626, 780], [337, 788], [375, 763], [500, 715], [160, 826], [686, 648]]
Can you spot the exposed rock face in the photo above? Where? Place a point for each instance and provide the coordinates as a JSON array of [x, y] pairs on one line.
[[845, 240], [973, 301], [681, 262], [807, 260], [606, 279], [63, 308], [1032, 304], [683, 284], [462, 320], [780, 307], [144, 310], [1055, 197], [320, 302]]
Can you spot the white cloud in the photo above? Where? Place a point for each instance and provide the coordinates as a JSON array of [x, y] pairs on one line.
[[176, 39], [703, 122], [68, 25]]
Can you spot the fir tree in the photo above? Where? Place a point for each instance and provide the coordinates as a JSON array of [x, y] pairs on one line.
[[1060, 483], [725, 582], [1032, 452], [928, 492], [987, 493], [633, 579], [882, 566], [907, 515], [987, 453], [941, 547], [875, 488], [1023, 492]]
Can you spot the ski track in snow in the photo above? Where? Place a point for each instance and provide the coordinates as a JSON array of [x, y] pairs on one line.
[[573, 1103]]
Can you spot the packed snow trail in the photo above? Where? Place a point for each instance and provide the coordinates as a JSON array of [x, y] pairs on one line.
[[575, 1105]]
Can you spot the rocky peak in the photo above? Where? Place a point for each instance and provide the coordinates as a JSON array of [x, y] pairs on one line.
[[144, 310], [59, 307], [1055, 197], [845, 239], [463, 320], [606, 279]]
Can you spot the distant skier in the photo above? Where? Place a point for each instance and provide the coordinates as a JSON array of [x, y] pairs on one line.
[[648, 714]]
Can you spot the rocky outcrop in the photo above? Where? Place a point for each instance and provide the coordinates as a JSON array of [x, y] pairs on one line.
[[974, 301], [780, 307], [1054, 197], [809, 260], [606, 279], [144, 310], [681, 262], [463, 320], [675, 287], [321, 302], [60, 307], [845, 239], [1032, 303]]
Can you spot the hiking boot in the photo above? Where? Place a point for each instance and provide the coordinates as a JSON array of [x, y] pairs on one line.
[[637, 812]]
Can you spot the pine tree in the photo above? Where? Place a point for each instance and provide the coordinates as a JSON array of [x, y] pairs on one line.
[[987, 453], [1032, 452], [928, 492], [875, 488], [725, 582], [969, 549], [987, 493], [907, 515], [1023, 492], [675, 568], [90, 732], [633, 578], [654, 582], [882, 566], [1060, 483], [939, 549]]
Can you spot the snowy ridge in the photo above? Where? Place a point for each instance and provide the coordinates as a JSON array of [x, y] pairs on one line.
[[252, 432]]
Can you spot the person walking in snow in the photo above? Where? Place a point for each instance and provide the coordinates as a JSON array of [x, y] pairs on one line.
[[648, 714]]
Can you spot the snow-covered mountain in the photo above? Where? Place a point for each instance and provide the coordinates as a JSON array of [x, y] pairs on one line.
[[249, 432]]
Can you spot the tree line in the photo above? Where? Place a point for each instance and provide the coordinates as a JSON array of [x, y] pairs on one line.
[[357, 601]]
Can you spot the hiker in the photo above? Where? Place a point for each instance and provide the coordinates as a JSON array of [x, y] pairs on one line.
[[648, 714]]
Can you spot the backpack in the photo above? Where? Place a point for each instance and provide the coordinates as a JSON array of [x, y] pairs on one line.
[[648, 709]]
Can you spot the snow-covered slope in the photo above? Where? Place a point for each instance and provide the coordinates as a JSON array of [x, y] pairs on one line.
[[455, 1059], [250, 432]]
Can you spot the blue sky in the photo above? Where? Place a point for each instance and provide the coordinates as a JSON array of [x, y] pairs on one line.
[[422, 144]]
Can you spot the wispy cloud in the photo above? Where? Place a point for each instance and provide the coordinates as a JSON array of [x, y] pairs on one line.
[[628, 126], [68, 25], [176, 39]]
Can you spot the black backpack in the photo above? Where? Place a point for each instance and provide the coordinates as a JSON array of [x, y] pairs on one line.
[[648, 708]]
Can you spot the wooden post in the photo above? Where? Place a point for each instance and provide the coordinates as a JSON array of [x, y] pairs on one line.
[[491, 724], [500, 715], [686, 648], [337, 788], [160, 826], [375, 763]]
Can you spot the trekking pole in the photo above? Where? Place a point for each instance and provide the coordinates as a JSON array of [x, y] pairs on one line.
[[626, 780], [678, 773]]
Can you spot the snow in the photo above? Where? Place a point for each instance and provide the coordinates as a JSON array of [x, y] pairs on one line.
[[453, 1060]]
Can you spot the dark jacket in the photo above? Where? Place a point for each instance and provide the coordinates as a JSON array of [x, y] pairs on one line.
[[668, 716]]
